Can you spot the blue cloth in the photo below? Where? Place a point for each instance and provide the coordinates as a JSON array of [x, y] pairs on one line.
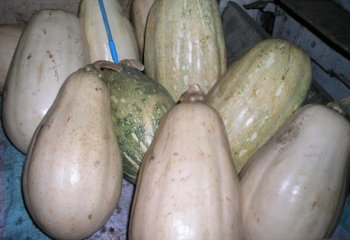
[[15, 223]]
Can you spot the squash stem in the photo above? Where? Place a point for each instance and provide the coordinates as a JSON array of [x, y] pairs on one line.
[[340, 105], [193, 94], [103, 64]]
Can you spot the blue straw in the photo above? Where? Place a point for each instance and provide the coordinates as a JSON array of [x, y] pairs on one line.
[[111, 44]]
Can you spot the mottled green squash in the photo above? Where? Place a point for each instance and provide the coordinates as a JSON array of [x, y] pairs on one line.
[[258, 93], [184, 44], [137, 103]]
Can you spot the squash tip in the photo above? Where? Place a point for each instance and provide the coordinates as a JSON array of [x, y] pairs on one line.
[[193, 94]]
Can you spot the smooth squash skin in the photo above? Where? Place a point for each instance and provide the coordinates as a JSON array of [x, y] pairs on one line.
[[9, 36], [187, 187], [73, 172], [184, 44], [121, 30], [294, 187], [138, 17], [258, 93], [137, 105], [52, 46]]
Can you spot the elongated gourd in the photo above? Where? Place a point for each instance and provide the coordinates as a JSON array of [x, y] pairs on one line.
[[184, 44], [137, 104], [258, 93], [298, 179], [187, 186], [120, 29], [51, 47], [138, 18], [73, 172], [9, 36]]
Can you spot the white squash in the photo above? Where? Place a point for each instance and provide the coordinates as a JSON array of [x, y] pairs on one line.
[[73, 172], [187, 187], [52, 46], [121, 30], [9, 36], [138, 18], [294, 187]]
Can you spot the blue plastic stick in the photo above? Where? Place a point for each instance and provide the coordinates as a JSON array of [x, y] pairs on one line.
[[112, 47]]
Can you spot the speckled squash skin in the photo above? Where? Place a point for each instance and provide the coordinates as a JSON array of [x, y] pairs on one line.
[[258, 93], [187, 185], [73, 171], [295, 186], [137, 104], [52, 46], [184, 44]]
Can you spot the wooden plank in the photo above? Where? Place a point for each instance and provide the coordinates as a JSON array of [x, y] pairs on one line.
[[330, 70], [324, 17]]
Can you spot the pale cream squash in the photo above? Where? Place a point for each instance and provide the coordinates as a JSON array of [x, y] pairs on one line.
[[121, 31], [51, 47], [73, 172], [295, 186], [184, 44], [187, 187]]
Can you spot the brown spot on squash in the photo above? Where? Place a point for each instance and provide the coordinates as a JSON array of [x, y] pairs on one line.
[[49, 54], [97, 164], [291, 133], [313, 204], [90, 216], [40, 71]]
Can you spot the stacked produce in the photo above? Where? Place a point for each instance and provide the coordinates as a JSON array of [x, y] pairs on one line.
[[239, 159]]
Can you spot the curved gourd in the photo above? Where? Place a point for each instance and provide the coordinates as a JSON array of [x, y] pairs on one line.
[[52, 46], [120, 27], [73, 172], [258, 93], [298, 179], [187, 186], [184, 45]]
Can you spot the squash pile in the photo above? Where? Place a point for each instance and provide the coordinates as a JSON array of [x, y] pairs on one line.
[[215, 153]]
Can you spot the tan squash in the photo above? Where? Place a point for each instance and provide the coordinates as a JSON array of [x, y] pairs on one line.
[[52, 46], [121, 31], [295, 186], [258, 93], [184, 44], [138, 18], [187, 187], [9, 36], [73, 172]]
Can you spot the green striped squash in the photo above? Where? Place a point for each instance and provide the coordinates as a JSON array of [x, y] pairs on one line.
[[258, 93], [184, 45], [137, 103]]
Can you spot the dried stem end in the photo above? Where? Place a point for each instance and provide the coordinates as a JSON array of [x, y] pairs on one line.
[[193, 94]]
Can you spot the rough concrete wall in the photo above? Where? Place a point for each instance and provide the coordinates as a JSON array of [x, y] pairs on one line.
[[19, 11]]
